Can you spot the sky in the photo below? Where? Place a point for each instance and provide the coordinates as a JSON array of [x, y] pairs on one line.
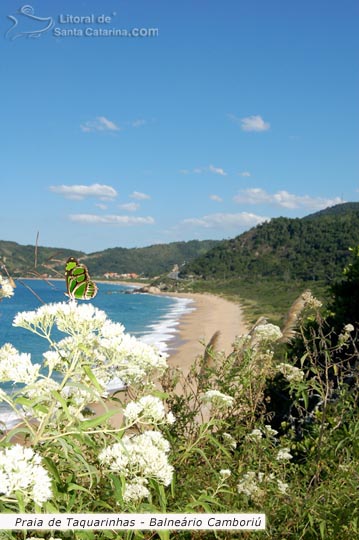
[[137, 122]]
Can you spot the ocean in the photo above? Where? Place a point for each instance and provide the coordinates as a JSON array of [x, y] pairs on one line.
[[152, 319]]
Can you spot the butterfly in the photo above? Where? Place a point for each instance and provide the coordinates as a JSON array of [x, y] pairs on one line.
[[78, 283]]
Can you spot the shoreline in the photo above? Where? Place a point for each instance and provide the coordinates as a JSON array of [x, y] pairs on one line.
[[195, 328], [211, 313], [208, 314]]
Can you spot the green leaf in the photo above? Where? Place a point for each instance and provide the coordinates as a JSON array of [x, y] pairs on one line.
[[89, 424], [77, 487], [92, 378], [322, 528]]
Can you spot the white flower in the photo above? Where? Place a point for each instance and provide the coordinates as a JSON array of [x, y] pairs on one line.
[[267, 332], [148, 410], [136, 490], [225, 473], [21, 470], [282, 486], [17, 367], [291, 373], [132, 412], [349, 328], [343, 338], [79, 319], [217, 399], [270, 431], [6, 289], [53, 359], [250, 484], [256, 434], [310, 301], [284, 454], [170, 418], [140, 456], [230, 440]]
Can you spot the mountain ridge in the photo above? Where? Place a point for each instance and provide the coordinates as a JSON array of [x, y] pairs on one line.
[[315, 247]]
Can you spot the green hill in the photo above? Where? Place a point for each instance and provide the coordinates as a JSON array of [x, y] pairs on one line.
[[20, 260], [310, 248], [149, 261]]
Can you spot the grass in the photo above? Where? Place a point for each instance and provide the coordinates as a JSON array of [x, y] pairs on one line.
[[263, 297]]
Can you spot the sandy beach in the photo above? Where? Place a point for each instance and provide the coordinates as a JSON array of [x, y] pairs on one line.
[[211, 313]]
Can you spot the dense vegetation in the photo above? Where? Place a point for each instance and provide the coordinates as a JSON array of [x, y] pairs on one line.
[[309, 249], [148, 261], [21, 260]]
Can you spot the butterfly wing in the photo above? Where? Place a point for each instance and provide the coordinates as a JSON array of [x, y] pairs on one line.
[[78, 283]]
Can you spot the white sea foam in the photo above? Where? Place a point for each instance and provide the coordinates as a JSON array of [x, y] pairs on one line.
[[162, 332]]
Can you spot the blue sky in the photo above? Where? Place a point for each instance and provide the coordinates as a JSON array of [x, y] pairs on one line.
[[232, 113]]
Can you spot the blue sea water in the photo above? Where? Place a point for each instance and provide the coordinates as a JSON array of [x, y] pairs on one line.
[[152, 319]]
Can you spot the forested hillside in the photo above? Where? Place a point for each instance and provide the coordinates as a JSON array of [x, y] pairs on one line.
[[149, 261], [311, 248], [20, 260]]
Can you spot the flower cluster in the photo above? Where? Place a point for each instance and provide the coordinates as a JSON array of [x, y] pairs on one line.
[[17, 367], [346, 334], [310, 301], [6, 289], [284, 454], [250, 484], [255, 435], [138, 459], [217, 399], [291, 373], [94, 342], [148, 410], [269, 431], [254, 485], [228, 439], [21, 471], [225, 473], [267, 333]]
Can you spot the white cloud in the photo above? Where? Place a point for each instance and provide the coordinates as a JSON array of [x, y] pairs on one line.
[[224, 221], [216, 198], [101, 206], [284, 199], [217, 170], [139, 196], [200, 170], [245, 173], [130, 207], [111, 219], [254, 123], [138, 123], [250, 123], [100, 124], [79, 191]]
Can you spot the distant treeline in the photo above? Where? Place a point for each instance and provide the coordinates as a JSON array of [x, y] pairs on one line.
[[148, 261]]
